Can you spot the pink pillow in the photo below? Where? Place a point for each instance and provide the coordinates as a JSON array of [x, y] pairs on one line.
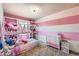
[[23, 37]]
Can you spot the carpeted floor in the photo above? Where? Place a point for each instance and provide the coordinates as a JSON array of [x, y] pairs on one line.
[[45, 51]]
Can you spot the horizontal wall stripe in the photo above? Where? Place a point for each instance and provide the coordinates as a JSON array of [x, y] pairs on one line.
[[60, 28], [69, 35], [65, 22], [62, 21], [66, 13]]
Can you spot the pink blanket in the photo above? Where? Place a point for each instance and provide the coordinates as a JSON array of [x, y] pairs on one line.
[[15, 51], [53, 44]]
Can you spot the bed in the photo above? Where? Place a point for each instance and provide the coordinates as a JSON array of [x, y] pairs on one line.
[[23, 47]]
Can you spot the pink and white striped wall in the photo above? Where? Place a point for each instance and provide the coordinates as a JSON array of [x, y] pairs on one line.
[[65, 22]]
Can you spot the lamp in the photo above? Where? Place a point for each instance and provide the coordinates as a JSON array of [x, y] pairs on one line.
[[35, 9]]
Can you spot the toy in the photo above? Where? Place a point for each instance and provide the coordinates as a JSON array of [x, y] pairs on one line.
[[10, 41], [1, 45]]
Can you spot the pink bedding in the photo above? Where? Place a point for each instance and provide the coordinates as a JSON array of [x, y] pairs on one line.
[[15, 51], [53, 44], [23, 47]]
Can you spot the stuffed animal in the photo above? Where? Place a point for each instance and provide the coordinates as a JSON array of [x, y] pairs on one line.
[[11, 27], [10, 41], [23, 38], [1, 45]]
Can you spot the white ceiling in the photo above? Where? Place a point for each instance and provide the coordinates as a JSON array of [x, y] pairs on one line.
[[44, 9]]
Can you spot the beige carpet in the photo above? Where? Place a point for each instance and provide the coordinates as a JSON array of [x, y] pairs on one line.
[[45, 51]]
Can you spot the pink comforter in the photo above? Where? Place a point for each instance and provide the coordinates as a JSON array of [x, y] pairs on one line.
[[24, 47]]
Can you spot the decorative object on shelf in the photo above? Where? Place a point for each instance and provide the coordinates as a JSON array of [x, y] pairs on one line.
[[10, 25]]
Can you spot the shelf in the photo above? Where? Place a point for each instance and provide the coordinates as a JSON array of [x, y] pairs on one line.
[[23, 32], [13, 33], [10, 33]]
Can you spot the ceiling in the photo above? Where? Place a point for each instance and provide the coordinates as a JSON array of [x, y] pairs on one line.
[[36, 10]]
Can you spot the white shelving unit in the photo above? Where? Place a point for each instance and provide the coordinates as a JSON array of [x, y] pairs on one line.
[[33, 29], [65, 48]]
